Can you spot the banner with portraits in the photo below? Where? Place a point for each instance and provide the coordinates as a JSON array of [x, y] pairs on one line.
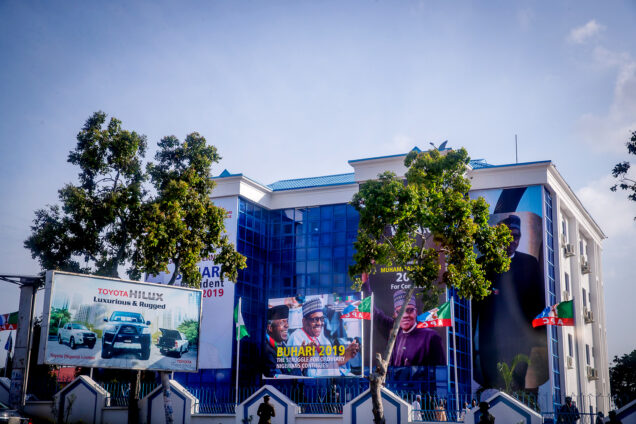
[[502, 322], [307, 337]]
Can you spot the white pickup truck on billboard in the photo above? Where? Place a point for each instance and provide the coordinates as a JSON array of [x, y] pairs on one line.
[[111, 323]]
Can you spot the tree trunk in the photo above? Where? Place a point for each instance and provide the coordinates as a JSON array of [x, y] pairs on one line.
[[175, 273], [167, 400], [133, 398], [378, 377]]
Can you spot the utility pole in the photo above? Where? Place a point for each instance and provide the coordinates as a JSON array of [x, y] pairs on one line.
[[22, 352]]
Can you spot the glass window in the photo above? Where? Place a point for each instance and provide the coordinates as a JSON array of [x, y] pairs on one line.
[[570, 346], [584, 298], [587, 354], [567, 282]]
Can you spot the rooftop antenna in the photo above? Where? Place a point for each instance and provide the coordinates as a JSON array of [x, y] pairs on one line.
[[516, 150]]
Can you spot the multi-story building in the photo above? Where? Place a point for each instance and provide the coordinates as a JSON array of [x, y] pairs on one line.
[[298, 237]]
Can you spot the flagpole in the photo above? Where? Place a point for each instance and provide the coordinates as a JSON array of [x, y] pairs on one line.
[[371, 335], [238, 351], [362, 341], [455, 351]]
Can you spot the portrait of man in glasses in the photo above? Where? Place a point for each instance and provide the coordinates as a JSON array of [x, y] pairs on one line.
[[413, 346]]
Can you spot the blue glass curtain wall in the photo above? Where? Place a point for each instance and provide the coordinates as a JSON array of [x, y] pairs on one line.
[[553, 339]]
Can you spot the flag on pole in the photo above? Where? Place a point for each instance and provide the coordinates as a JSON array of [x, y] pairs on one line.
[[241, 329], [560, 314], [9, 344], [9, 321], [360, 309], [436, 317]]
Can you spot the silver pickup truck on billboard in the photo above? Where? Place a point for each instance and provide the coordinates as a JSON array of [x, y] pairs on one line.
[[111, 323]]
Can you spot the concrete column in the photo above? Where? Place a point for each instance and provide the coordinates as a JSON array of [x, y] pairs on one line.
[[22, 346]]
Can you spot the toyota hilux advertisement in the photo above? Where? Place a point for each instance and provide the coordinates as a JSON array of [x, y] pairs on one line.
[[111, 323]]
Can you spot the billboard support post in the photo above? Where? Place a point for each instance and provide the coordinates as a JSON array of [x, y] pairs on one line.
[[22, 352]]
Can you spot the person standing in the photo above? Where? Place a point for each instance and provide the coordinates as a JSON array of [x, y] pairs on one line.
[[486, 417], [417, 408], [265, 411], [613, 419], [568, 412]]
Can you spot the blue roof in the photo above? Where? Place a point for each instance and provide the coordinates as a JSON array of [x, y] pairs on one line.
[[327, 180]]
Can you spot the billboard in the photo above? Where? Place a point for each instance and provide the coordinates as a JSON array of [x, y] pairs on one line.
[[308, 338], [502, 322], [218, 299], [110, 323], [416, 347]]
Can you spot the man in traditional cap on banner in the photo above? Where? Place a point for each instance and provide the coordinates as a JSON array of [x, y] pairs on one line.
[[312, 334], [276, 336], [413, 346]]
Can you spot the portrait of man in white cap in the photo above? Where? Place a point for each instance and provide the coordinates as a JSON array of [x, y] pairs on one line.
[[312, 334]]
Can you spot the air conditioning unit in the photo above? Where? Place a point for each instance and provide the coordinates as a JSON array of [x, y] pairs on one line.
[[592, 374], [569, 361], [568, 250], [585, 266], [588, 316], [566, 295]]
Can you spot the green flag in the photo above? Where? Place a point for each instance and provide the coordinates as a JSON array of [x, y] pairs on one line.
[[241, 330]]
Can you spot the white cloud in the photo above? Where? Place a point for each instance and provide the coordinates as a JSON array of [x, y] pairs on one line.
[[612, 211], [580, 35], [610, 131], [525, 17], [615, 214]]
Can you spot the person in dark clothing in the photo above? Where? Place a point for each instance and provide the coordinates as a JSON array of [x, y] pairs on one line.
[[485, 416], [502, 320], [265, 411], [568, 412], [613, 419]]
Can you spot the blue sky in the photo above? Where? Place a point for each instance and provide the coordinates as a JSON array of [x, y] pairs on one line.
[[296, 89]]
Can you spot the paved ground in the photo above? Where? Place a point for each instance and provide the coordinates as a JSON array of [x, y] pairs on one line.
[[62, 354]]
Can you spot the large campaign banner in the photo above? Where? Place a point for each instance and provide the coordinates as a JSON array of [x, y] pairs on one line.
[[418, 346], [311, 337], [218, 299], [105, 322], [502, 322]]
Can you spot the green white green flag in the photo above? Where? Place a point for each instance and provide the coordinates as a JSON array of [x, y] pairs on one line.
[[241, 329]]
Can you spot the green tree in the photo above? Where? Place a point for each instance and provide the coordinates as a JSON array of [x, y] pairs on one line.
[[96, 228], [59, 318], [623, 378], [430, 204], [191, 330], [507, 371], [621, 172], [98, 220], [181, 224]]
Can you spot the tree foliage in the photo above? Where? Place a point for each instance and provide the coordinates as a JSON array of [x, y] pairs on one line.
[[432, 221], [621, 172], [191, 330], [432, 203], [98, 220], [623, 378], [181, 224], [507, 371]]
